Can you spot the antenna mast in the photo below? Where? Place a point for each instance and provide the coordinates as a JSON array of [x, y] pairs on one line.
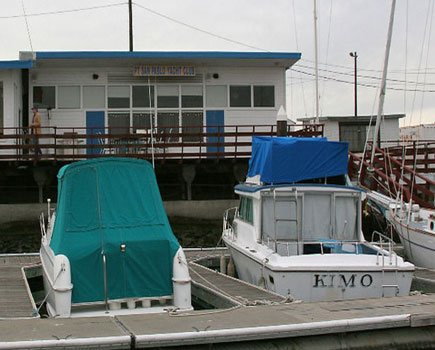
[[316, 62], [130, 23]]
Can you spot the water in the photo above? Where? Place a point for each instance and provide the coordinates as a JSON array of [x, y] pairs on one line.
[[25, 236]]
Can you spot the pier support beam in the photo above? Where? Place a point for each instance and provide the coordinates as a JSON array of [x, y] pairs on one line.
[[41, 175], [189, 172]]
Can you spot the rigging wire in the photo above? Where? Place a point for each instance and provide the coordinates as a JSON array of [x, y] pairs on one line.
[[406, 55], [64, 11], [27, 25], [198, 29], [427, 59], [419, 62], [327, 55], [297, 48]]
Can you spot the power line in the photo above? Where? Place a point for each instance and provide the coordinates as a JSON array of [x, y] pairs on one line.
[[360, 84], [64, 11], [198, 29]]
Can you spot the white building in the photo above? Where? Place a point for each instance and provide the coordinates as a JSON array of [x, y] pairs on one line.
[[355, 130], [423, 132], [98, 91]]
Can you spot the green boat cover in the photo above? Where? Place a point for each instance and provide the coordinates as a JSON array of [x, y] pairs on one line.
[[106, 203]]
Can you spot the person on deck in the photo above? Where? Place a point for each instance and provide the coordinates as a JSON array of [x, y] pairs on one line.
[[35, 127]]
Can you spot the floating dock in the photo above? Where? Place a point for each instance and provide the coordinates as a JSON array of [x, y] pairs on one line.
[[270, 321]]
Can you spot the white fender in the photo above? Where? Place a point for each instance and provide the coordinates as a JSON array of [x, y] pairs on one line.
[[181, 282], [62, 288]]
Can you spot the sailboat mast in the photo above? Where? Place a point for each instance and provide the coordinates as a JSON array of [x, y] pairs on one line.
[[383, 82], [316, 61]]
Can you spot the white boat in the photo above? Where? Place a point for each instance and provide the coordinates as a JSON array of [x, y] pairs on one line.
[[109, 249], [304, 240]]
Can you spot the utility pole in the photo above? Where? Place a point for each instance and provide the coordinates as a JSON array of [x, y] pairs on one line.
[[316, 62], [130, 23], [355, 56]]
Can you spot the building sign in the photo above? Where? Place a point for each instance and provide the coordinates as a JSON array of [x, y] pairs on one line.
[[164, 71]]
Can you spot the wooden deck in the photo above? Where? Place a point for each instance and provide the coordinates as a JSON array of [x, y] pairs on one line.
[[14, 297]]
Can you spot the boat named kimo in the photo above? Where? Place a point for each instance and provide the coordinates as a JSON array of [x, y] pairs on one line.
[[297, 230], [109, 249]]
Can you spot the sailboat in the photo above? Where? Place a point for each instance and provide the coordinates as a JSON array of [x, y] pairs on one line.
[[297, 229]]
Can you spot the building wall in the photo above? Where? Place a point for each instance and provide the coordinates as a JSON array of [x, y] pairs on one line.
[[425, 132], [123, 76], [12, 104]]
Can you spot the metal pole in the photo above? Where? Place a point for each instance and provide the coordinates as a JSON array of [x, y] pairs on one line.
[[383, 83], [130, 23], [316, 61], [355, 56]]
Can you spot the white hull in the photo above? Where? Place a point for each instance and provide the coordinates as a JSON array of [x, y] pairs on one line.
[[419, 244], [329, 283]]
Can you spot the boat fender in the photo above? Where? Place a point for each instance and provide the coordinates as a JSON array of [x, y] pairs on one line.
[[181, 282]]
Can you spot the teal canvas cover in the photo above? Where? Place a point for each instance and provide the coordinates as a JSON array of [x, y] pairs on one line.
[[103, 204]]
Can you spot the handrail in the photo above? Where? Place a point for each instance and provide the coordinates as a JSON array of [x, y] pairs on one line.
[[106, 298]]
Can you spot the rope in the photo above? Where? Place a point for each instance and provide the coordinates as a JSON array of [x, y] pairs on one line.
[[51, 288]]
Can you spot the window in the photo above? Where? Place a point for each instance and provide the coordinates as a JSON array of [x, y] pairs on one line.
[[167, 123], [264, 96], [119, 123], [141, 120], [68, 97], [118, 96], [216, 96], [246, 212], [44, 96], [94, 96], [167, 96], [240, 96], [143, 96], [192, 126], [191, 96]]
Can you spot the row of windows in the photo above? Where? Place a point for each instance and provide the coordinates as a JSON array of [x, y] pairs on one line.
[[144, 96]]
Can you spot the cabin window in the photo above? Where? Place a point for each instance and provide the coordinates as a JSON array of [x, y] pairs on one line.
[[141, 120], [68, 97], [191, 96], [143, 96], [167, 96], [167, 124], [192, 125], [216, 96], [240, 96], [119, 122], [264, 96], [246, 211], [280, 218], [44, 96], [118, 96], [94, 97]]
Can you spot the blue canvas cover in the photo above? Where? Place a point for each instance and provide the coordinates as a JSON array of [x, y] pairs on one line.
[[293, 159], [102, 204]]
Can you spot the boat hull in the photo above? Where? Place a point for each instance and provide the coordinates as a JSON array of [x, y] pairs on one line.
[[419, 245], [322, 285]]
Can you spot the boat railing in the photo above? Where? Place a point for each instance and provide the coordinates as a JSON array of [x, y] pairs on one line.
[[42, 225], [384, 242], [228, 219]]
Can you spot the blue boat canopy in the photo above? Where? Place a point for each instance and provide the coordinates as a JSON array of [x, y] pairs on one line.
[[104, 205], [287, 159]]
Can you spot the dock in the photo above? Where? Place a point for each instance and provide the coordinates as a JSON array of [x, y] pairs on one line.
[[365, 323]]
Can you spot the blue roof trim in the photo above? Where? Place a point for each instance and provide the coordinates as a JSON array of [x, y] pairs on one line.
[[256, 188], [16, 64], [168, 54]]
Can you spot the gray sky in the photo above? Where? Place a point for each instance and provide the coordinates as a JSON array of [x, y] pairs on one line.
[[274, 25]]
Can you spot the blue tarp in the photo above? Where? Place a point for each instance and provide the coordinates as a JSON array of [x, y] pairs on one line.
[[287, 159]]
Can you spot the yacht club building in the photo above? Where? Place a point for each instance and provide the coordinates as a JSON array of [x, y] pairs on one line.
[[119, 92]]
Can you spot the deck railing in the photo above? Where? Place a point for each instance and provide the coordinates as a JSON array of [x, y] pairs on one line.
[[166, 143]]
